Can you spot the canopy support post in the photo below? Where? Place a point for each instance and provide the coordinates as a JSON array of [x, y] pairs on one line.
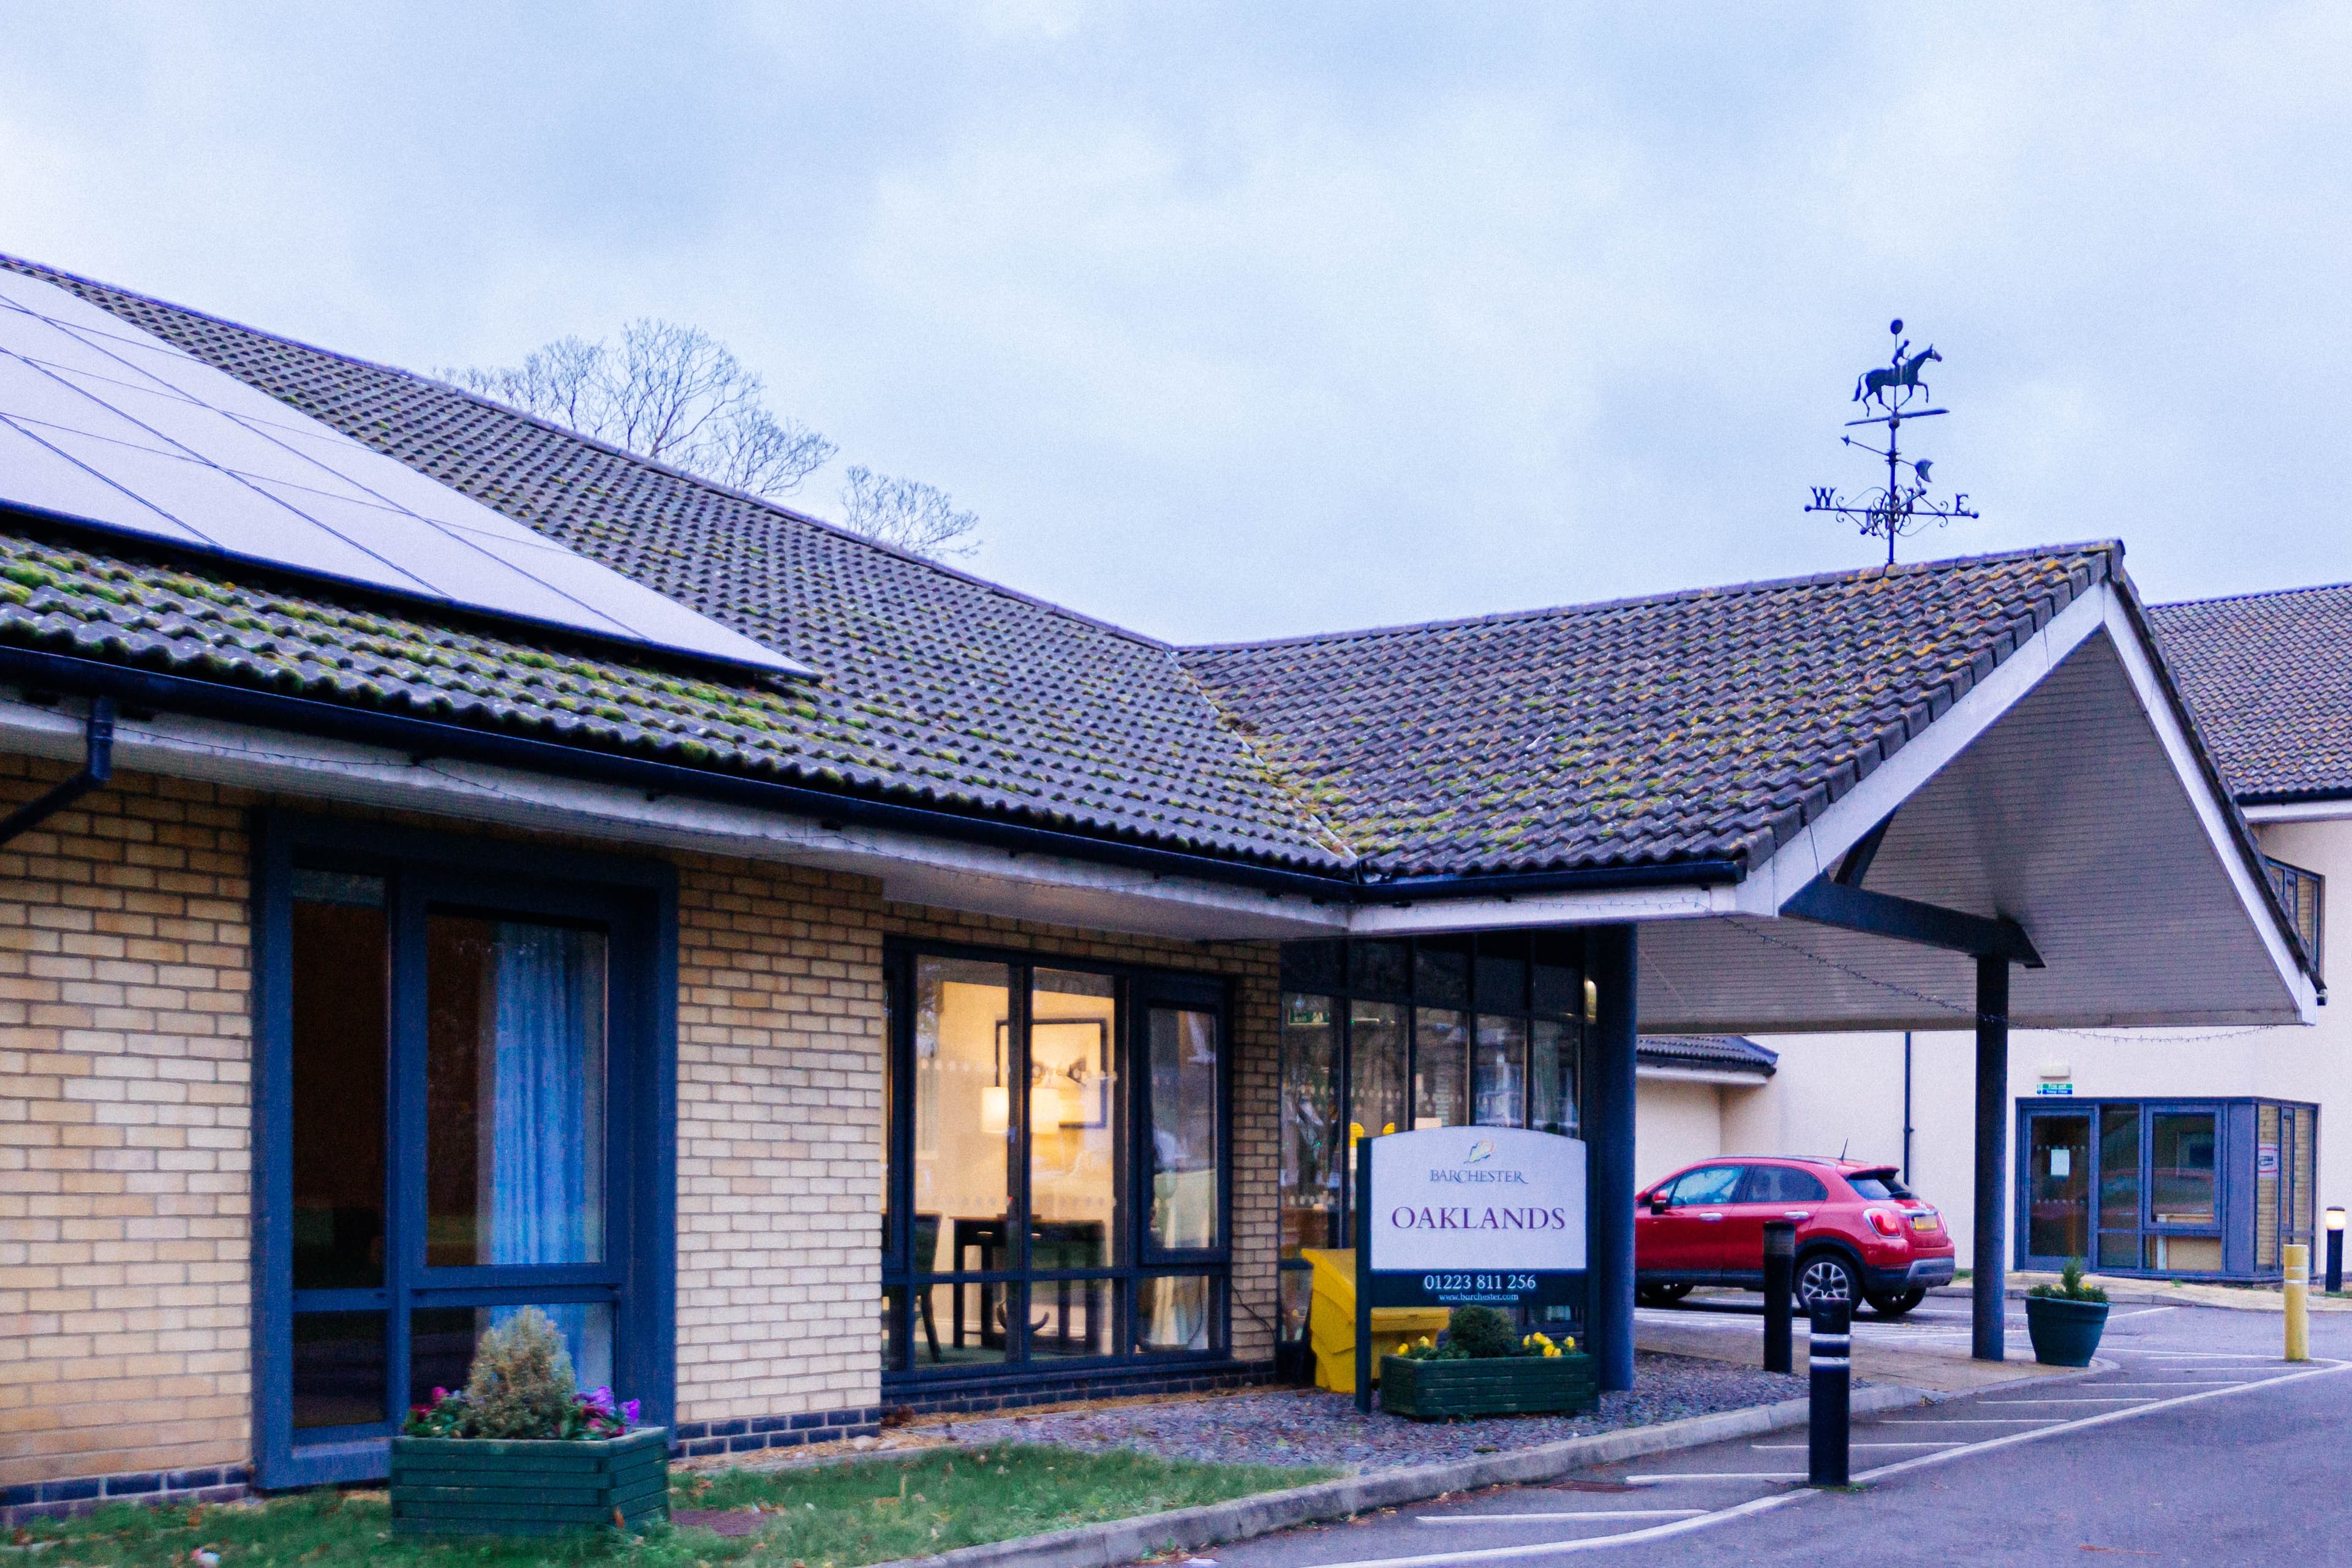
[[1610, 959], [1988, 1320]]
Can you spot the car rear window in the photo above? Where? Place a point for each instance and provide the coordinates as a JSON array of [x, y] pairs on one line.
[[1782, 1185], [1877, 1185]]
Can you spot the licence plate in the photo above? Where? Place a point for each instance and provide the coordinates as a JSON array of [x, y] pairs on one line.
[[1925, 1222]]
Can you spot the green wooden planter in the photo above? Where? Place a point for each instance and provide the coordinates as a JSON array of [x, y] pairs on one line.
[[1504, 1386], [482, 1486]]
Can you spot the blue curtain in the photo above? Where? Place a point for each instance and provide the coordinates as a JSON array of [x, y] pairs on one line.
[[545, 1164]]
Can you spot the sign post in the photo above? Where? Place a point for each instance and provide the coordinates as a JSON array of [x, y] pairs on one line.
[[1457, 1216]]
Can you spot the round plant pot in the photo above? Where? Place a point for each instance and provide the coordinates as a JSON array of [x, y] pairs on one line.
[[2065, 1333]]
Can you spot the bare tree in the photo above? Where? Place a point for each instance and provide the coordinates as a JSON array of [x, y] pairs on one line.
[[666, 392], [907, 513]]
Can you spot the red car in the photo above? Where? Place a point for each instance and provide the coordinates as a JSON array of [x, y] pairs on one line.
[[1862, 1234]]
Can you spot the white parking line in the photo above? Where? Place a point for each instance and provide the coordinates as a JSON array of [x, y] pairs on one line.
[[1660, 1480], [2070, 1399], [1920, 1444], [1779, 1500], [1548, 1518], [1968, 1420]]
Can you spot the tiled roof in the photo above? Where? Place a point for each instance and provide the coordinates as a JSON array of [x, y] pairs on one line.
[[1710, 724], [2269, 679], [941, 688], [1714, 1052], [1699, 726]]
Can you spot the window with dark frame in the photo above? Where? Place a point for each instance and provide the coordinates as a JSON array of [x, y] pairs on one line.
[[1056, 1170], [1379, 1035], [2305, 895], [460, 1072]]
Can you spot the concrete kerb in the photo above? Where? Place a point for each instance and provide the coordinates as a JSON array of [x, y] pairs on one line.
[[2187, 1293], [1122, 1541]]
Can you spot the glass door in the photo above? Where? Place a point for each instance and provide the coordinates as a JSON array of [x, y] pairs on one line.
[[2057, 1188], [2119, 1187], [2184, 1195]]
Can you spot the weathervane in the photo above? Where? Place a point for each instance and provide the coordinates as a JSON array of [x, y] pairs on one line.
[[1902, 506]]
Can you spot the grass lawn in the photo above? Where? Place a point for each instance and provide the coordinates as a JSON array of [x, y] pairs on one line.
[[826, 1516]]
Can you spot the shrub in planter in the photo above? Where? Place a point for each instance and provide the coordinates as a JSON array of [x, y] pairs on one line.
[[2065, 1320], [521, 1452], [1482, 1368]]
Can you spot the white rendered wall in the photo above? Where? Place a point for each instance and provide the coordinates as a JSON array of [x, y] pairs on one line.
[[1674, 1124]]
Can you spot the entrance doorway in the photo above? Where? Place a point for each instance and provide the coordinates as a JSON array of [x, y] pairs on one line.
[[2058, 1178]]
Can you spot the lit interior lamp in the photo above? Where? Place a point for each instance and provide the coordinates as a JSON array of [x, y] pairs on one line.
[[1049, 1107], [2335, 1218]]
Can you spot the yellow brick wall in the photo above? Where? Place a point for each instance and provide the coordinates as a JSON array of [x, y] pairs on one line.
[[125, 1111], [779, 1128], [125, 1159]]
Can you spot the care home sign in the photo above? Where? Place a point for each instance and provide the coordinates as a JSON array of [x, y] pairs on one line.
[[1461, 1216]]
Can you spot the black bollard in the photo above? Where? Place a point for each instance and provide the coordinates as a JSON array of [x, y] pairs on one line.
[[2335, 1251], [1779, 1287], [1830, 1419]]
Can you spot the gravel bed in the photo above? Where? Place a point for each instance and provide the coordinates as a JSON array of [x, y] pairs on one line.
[[1309, 1427]]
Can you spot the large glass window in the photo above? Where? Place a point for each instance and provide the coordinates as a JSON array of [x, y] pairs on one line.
[[2180, 1167], [1375, 1056], [1498, 1072], [2119, 1219], [1184, 1131], [1384, 1035], [514, 1092], [1551, 1076], [454, 1050], [1441, 1068], [342, 958], [1024, 1239], [965, 1108]]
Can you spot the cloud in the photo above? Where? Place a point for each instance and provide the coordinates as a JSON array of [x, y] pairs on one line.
[[1235, 321]]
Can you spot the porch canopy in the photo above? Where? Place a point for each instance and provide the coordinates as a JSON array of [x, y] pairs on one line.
[[1967, 793]]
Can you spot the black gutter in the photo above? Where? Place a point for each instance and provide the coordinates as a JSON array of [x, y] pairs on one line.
[[425, 737], [2316, 795], [96, 768]]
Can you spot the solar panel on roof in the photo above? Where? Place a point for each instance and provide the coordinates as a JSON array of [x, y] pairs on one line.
[[105, 424]]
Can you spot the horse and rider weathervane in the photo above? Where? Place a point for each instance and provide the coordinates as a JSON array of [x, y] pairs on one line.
[[1901, 506]]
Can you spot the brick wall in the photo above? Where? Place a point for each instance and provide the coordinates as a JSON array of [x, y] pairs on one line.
[[124, 1116], [125, 1159]]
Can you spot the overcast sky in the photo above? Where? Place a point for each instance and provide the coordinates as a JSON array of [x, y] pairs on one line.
[[1242, 320]]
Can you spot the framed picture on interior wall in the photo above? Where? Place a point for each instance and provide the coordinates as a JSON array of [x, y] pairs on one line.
[[1072, 1057]]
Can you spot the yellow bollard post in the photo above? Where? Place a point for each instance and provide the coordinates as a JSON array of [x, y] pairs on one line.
[[2298, 1301]]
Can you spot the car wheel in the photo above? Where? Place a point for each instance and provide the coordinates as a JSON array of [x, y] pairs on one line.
[[1660, 1295], [1897, 1303], [1825, 1277]]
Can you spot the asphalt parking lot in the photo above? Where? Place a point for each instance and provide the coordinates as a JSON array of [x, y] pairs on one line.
[[2196, 1443]]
